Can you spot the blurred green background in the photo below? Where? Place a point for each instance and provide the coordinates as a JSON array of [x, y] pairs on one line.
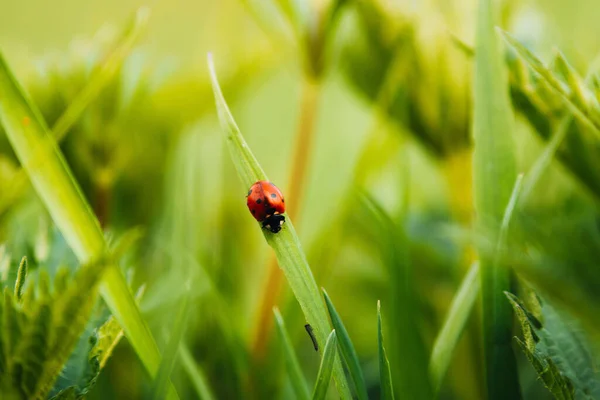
[[149, 154]]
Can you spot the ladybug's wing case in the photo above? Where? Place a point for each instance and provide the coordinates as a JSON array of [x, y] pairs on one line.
[[256, 202], [275, 200]]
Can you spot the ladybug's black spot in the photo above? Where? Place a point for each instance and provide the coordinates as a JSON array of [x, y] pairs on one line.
[[253, 211], [282, 200], [273, 195], [258, 201]]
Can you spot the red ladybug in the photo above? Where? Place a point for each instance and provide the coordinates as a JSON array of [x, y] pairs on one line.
[[266, 203]]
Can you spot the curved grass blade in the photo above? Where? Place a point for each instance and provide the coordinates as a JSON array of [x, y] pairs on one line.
[[161, 382], [385, 375], [52, 180], [454, 325], [102, 76], [347, 350], [326, 367], [195, 373], [545, 159], [494, 173], [291, 361], [286, 244]]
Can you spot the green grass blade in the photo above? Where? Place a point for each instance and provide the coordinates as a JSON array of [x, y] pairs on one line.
[[572, 101], [291, 361], [385, 374], [51, 178], [102, 76], [347, 350], [326, 368], [454, 325], [507, 217], [286, 244], [494, 175], [545, 159], [161, 382], [195, 373]]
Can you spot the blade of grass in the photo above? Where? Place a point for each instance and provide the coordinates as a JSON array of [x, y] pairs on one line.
[[291, 361], [51, 178], [347, 350], [454, 325], [326, 368], [385, 375], [195, 373], [286, 244], [160, 386], [545, 159], [494, 175]]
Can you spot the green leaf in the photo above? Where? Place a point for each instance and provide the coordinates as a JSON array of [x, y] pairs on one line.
[[494, 176], [34, 350], [347, 350], [559, 351], [574, 94], [159, 389], [21, 276], [285, 243], [454, 325], [326, 368], [41, 158], [385, 375], [545, 159], [409, 352], [291, 361], [195, 373], [101, 77]]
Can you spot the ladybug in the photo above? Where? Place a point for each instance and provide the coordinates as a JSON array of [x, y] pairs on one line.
[[266, 203]]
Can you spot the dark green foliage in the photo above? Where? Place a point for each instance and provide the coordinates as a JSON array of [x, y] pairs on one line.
[[421, 89], [546, 95], [558, 350], [38, 334]]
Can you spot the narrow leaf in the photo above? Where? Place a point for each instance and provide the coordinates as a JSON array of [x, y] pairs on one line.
[[195, 373], [51, 177], [453, 327], [347, 350], [326, 368], [494, 176], [161, 382], [385, 374], [545, 159], [285, 243], [291, 361]]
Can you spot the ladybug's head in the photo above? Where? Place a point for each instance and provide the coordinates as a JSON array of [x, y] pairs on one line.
[[274, 222]]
